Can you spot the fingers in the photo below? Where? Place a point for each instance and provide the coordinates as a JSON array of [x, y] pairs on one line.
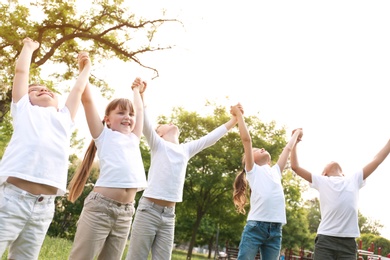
[[83, 59], [140, 84], [299, 138], [31, 43]]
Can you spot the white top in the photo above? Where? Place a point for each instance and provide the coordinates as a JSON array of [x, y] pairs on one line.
[[40, 145], [339, 198], [267, 197], [120, 160], [169, 161]]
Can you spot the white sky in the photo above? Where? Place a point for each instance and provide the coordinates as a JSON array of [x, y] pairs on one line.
[[320, 65]]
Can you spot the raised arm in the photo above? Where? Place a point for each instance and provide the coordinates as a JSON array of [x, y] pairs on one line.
[[283, 157], [295, 163], [22, 69], [138, 86], [245, 136], [94, 121], [73, 100], [232, 122], [376, 161]]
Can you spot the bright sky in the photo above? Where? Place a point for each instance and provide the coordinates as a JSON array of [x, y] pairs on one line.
[[320, 65]]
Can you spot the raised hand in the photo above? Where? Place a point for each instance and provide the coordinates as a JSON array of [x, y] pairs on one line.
[[300, 134], [83, 60], [33, 45]]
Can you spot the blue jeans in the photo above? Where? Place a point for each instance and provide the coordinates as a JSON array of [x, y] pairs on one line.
[[328, 247], [263, 236]]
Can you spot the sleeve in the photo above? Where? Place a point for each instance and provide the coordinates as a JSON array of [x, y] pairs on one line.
[[15, 107], [195, 146], [149, 132]]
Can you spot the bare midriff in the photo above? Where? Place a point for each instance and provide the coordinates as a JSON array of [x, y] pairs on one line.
[[123, 195], [163, 203], [32, 187]]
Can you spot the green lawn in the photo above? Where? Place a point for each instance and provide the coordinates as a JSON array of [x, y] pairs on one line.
[[58, 249]]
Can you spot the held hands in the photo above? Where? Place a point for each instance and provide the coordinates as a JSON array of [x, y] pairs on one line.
[[140, 84], [234, 110], [83, 61], [31, 44], [299, 135]]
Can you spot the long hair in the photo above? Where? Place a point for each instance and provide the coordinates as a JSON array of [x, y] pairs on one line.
[[76, 185], [240, 193]]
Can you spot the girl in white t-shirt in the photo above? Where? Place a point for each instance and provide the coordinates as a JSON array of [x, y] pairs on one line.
[[34, 168], [105, 220], [339, 197], [267, 214]]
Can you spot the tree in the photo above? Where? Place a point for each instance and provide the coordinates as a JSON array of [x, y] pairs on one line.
[[369, 226], [210, 174], [374, 242], [106, 30], [312, 207], [296, 233]]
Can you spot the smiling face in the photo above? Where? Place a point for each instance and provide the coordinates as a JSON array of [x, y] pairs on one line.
[[42, 96], [120, 116]]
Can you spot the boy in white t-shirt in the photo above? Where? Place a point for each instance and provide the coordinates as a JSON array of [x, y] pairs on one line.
[[34, 168], [339, 197], [154, 223]]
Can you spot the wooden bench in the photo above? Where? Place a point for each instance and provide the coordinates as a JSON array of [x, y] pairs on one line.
[[232, 253]]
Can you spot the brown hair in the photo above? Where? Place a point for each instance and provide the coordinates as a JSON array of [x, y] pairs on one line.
[[240, 194], [76, 185]]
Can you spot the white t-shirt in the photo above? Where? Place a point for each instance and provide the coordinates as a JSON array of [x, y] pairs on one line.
[[39, 147], [169, 161], [267, 201], [339, 198], [120, 160]]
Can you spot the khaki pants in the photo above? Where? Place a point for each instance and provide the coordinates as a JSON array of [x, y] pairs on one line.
[[102, 229], [152, 231]]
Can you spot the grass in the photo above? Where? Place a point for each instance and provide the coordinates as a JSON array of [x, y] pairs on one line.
[[59, 249]]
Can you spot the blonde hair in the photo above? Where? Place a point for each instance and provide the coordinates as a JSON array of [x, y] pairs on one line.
[[76, 185]]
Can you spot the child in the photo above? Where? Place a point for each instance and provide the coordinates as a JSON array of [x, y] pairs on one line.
[[34, 167], [105, 220], [339, 195], [267, 214], [154, 222]]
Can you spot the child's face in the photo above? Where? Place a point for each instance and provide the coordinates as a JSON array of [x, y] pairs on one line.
[[42, 96], [332, 169], [121, 120], [261, 156]]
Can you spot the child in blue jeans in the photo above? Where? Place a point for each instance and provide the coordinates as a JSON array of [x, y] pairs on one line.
[[263, 230]]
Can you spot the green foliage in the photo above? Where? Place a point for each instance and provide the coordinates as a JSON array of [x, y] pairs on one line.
[[313, 214], [59, 249], [106, 30], [6, 130], [68, 213], [207, 200], [371, 241], [369, 226], [296, 231]]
